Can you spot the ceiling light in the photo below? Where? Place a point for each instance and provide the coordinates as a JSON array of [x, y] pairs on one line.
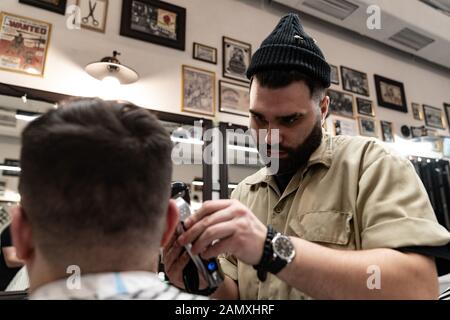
[[110, 70]]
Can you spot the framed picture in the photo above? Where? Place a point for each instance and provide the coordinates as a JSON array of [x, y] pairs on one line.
[[93, 14], [343, 126], [417, 111], [355, 81], [365, 107], [417, 132], [390, 94], [58, 6], [204, 53], [236, 59], [199, 94], [154, 21], [447, 112], [433, 117], [341, 103], [387, 131], [234, 98], [334, 74], [367, 127], [23, 44]]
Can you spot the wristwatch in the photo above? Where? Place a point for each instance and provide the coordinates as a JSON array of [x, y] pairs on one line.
[[278, 252]]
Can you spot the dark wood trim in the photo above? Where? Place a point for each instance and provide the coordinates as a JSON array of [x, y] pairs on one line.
[[32, 94], [207, 167]]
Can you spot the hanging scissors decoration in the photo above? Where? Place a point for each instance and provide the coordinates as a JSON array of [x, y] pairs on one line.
[[91, 15]]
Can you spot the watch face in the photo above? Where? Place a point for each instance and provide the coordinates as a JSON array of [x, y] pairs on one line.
[[283, 247]]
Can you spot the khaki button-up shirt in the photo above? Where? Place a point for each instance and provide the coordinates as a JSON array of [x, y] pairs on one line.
[[353, 194]]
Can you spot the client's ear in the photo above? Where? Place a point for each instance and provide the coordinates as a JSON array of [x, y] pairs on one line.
[[172, 219], [22, 234]]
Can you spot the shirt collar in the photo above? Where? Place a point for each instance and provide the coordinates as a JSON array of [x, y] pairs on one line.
[[322, 155], [99, 286]]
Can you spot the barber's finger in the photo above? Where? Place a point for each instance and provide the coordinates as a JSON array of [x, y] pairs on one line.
[[207, 208], [216, 232], [190, 235], [172, 255], [170, 243], [176, 269], [220, 247]]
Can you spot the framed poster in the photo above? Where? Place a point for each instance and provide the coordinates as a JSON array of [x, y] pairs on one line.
[[341, 103], [343, 126], [433, 117], [93, 14], [23, 44], [390, 94], [199, 94], [234, 98], [154, 21], [355, 81], [58, 6], [368, 127], [365, 107], [417, 111], [334, 76], [387, 131], [204, 53], [236, 59]]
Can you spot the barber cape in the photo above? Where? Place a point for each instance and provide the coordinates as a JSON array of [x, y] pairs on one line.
[[111, 286]]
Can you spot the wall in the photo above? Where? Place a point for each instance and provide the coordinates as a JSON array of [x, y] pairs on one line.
[[207, 21], [250, 21]]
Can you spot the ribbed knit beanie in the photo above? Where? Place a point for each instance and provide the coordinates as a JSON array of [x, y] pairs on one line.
[[288, 47]]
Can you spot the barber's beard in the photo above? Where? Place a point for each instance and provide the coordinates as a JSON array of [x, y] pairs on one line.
[[298, 157]]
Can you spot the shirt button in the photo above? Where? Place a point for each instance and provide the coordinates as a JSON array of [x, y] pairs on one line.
[[277, 209]]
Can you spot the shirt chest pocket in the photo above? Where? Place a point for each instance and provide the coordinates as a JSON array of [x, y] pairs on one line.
[[328, 227]]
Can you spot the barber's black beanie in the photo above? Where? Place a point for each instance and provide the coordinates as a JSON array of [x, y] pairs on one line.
[[288, 47]]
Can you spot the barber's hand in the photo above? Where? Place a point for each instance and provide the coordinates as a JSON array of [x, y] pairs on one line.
[[174, 264], [238, 230]]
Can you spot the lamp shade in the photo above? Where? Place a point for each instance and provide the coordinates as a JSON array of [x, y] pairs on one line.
[[111, 67]]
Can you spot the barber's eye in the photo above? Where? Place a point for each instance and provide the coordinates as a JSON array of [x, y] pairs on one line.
[[290, 120]]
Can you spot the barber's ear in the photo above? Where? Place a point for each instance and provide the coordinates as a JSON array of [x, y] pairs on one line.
[[324, 104], [172, 219], [21, 234]]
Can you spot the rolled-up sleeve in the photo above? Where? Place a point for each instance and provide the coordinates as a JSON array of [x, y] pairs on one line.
[[394, 207]]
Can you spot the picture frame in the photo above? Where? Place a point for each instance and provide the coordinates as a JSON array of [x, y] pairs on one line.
[[355, 81], [365, 107], [234, 98], [155, 22], [387, 131], [417, 132], [57, 6], [417, 111], [368, 127], [334, 76], [447, 112], [204, 53], [390, 94], [236, 57], [94, 14], [341, 103], [345, 126], [198, 90], [433, 117], [23, 49]]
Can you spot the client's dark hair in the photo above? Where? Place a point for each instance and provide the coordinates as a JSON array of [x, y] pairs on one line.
[[279, 78], [95, 179]]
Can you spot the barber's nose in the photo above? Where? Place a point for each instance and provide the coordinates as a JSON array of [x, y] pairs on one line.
[[273, 136]]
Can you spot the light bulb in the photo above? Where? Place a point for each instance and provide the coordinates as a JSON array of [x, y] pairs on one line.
[[110, 81]]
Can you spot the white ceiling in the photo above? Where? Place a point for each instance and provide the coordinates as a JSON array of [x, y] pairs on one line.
[[396, 15]]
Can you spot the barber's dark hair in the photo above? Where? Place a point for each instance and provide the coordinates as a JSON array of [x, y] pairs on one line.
[[95, 174], [279, 78]]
